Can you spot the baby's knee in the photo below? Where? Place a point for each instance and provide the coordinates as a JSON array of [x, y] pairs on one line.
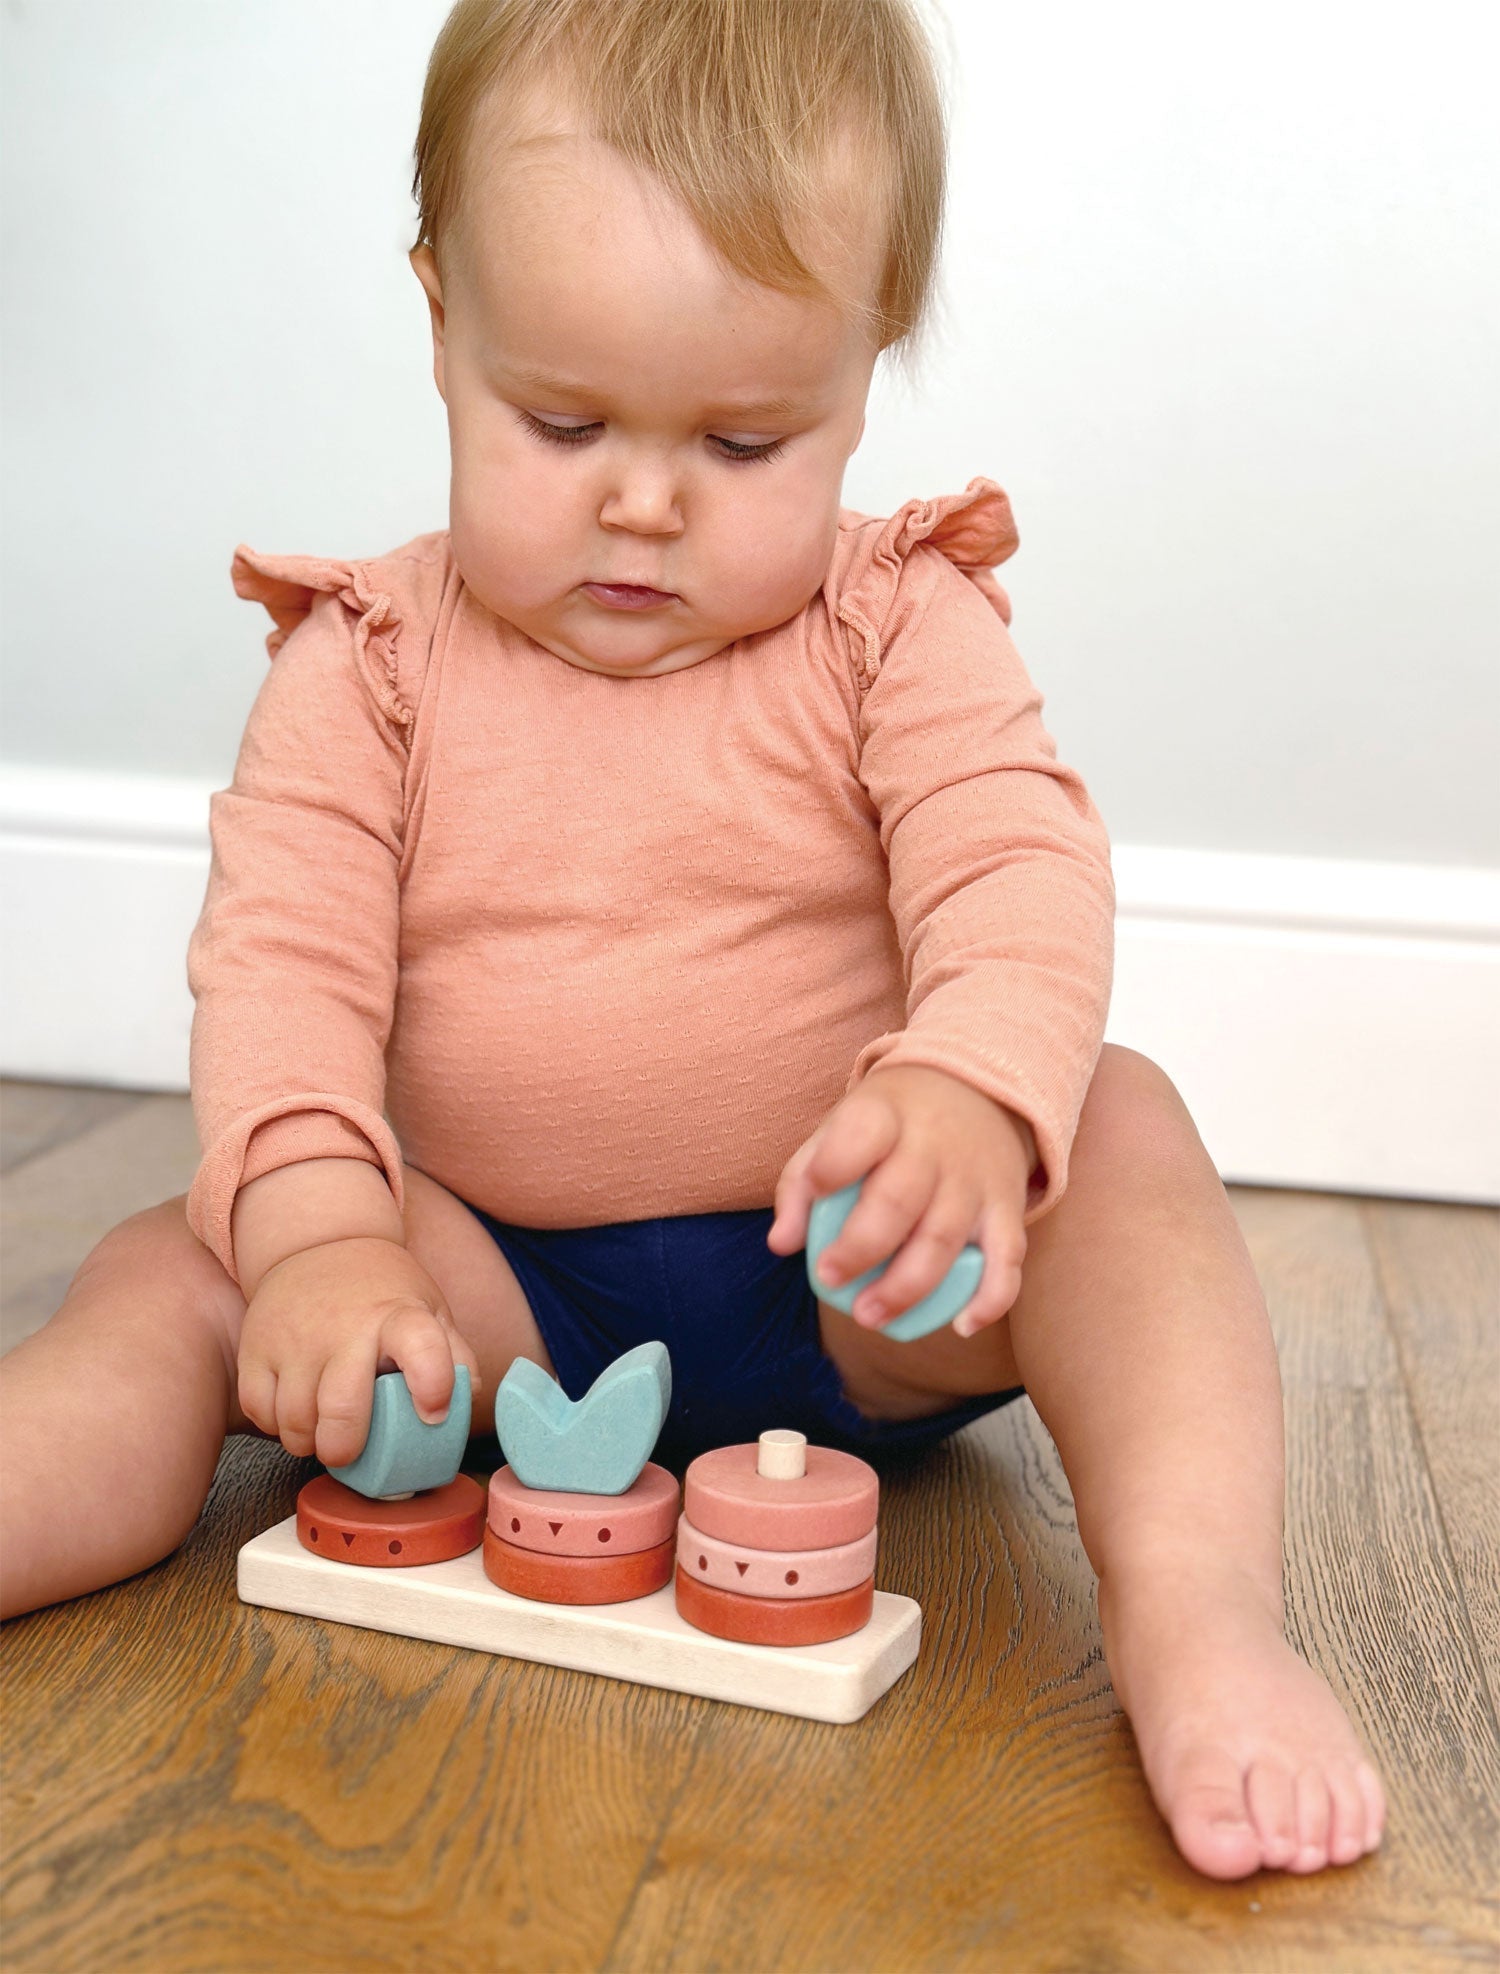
[[1133, 1110], [155, 1252]]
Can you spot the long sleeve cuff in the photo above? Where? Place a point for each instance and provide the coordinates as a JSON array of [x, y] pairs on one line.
[[286, 1131]]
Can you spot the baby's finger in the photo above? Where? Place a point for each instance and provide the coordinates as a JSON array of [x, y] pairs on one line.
[[458, 1346], [1002, 1239], [345, 1393], [861, 1132], [419, 1341], [297, 1408], [257, 1395], [924, 1258], [892, 1201], [794, 1198]]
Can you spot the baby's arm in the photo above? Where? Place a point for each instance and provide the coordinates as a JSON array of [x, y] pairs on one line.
[[333, 1297], [961, 1122], [294, 968]]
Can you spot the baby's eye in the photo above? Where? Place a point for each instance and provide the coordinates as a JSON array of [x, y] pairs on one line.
[[734, 450], [558, 435], [572, 435]]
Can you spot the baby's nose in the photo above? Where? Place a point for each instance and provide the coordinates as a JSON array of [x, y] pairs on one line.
[[645, 502]]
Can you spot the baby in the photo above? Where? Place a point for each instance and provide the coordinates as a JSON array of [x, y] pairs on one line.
[[663, 841]]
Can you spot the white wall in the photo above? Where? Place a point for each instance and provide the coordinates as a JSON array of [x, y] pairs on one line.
[[1218, 317]]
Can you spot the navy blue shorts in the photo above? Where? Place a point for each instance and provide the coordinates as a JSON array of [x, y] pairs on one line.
[[740, 1322]]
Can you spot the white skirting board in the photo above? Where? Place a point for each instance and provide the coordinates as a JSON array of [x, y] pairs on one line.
[[643, 1641], [1331, 1024]]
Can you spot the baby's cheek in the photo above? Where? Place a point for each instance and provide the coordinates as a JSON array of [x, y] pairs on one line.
[[773, 562], [504, 552]]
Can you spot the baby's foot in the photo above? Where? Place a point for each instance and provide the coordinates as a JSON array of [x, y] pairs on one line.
[[1251, 1759]]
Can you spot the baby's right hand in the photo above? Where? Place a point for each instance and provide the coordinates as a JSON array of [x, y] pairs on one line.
[[321, 1324]]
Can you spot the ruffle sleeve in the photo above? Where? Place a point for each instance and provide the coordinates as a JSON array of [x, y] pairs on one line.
[[293, 961], [974, 530], [288, 586]]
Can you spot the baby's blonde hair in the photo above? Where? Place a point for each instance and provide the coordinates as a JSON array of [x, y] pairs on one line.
[[738, 106]]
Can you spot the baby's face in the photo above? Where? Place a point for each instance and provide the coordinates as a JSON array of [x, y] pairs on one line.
[[623, 410]]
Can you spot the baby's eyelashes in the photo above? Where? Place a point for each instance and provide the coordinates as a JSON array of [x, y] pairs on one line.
[[562, 435], [572, 435]]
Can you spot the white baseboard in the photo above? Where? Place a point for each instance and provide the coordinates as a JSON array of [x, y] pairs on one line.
[[1332, 1024]]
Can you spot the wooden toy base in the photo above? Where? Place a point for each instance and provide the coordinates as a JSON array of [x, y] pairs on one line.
[[645, 1640]]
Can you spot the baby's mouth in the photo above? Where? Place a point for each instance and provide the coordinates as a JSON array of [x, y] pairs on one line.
[[628, 596]]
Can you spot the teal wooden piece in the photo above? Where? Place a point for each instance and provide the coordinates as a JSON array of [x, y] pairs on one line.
[[597, 1445], [939, 1306], [402, 1455]]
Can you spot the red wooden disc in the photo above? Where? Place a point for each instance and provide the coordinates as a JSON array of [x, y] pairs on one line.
[[834, 1502], [577, 1579], [432, 1527], [774, 1620]]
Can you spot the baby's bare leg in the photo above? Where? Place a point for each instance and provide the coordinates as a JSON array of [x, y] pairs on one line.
[[1142, 1337], [113, 1415]]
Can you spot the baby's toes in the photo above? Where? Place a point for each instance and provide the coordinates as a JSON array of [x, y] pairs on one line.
[[1314, 1814], [1272, 1796], [1210, 1818], [1373, 1793], [1346, 1827]]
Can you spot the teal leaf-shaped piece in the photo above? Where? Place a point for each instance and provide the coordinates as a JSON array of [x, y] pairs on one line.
[[402, 1455], [596, 1445], [939, 1306]]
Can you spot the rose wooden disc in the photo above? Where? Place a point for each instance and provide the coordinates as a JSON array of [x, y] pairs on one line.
[[783, 1573], [834, 1502], [577, 1579], [557, 1524], [432, 1527], [774, 1620]]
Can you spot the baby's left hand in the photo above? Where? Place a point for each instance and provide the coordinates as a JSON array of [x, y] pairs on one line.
[[942, 1165]]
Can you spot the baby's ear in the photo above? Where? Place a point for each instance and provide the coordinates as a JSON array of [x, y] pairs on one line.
[[424, 266]]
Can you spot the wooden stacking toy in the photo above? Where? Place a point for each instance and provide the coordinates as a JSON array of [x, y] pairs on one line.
[[580, 1515], [776, 1545], [773, 1597], [403, 1501]]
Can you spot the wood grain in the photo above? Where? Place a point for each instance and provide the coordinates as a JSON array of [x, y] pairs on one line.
[[190, 1784], [36, 1116], [1439, 1269]]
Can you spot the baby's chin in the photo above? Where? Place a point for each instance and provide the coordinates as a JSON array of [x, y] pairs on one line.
[[617, 646]]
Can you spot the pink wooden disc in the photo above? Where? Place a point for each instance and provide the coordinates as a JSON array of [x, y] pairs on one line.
[[774, 1620], [779, 1573], [834, 1502], [556, 1524]]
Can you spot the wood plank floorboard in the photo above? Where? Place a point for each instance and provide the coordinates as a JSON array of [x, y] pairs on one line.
[[1439, 1269], [78, 1168], [36, 1116], [188, 1784]]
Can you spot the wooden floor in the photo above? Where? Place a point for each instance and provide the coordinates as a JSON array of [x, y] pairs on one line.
[[190, 1784]]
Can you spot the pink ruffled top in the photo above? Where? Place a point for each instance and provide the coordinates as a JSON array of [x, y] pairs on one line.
[[589, 949]]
